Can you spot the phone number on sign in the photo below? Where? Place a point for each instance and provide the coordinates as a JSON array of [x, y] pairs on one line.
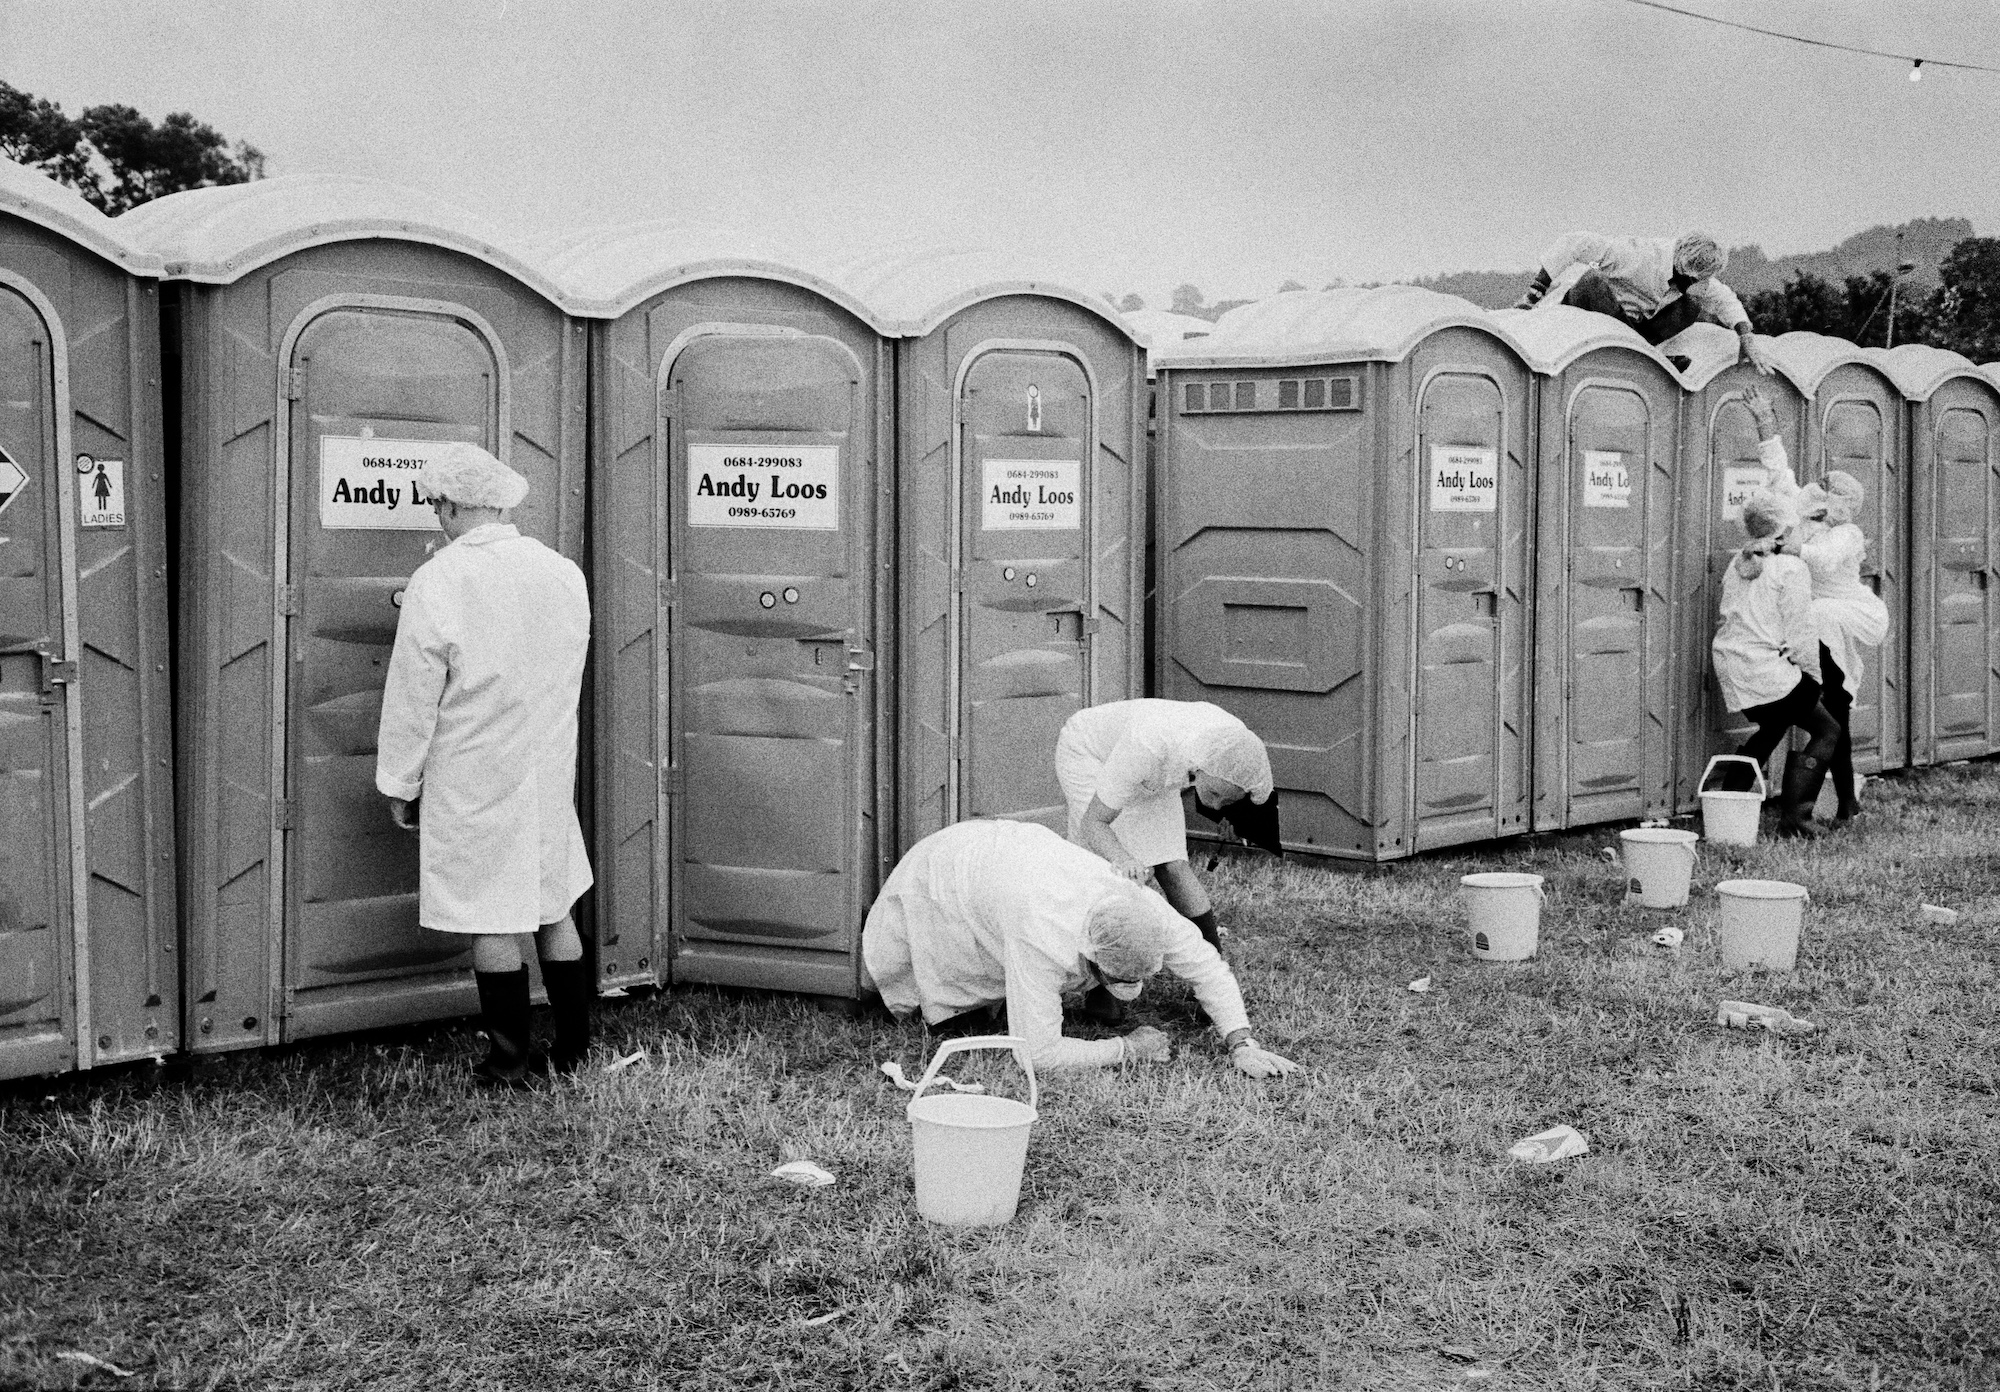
[[779, 513]]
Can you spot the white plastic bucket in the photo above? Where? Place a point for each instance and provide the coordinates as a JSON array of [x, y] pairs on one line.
[[1659, 863], [969, 1149], [1730, 819], [1504, 913], [1759, 924]]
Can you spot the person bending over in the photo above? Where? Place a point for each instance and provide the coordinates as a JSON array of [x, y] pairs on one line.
[[995, 912], [476, 752]]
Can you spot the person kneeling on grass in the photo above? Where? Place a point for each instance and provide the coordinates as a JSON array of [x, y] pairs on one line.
[[992, 912]]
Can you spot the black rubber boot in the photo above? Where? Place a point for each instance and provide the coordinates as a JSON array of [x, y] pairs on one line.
[[1209, 935], [1803, 775], [570, 990], [503, 1010]]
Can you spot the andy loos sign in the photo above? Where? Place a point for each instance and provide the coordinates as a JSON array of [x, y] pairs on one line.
[[371, 485], [794, 486]]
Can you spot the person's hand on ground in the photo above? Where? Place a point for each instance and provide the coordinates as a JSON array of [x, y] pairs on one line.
[[1257, 1062], [1148, 1045]]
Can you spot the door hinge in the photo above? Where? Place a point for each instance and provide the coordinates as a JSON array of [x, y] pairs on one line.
[[56, 672], [295, 384], [1092, 627], [670, 593], [288, 599], [860, 660], [284, 814], [673, 781]]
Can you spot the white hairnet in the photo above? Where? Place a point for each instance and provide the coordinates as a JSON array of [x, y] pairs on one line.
[[1696, 254], [1766, 513], [1234, 752], [1840, 493], [1125, 934], [469, 476]]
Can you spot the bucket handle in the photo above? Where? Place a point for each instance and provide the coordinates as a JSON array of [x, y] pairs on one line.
[[1763, 788], [945, 1050]]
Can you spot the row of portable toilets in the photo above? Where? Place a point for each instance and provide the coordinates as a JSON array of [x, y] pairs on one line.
[[859, 540]]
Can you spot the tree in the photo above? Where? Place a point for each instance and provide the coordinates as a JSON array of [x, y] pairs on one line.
[[1289, 286], [1856, 310], [117, 158], [1187, 299], [1965, 316], [1131, 304]]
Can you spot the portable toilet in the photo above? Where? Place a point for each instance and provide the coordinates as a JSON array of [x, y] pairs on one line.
[[1346, 514], [1954, 648], [87, 968], [1858, 423], [1720, 467], [1020, 419], [1608, 459], [332, 332], [743, 517]]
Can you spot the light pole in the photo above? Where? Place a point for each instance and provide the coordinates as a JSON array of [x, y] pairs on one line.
[[1903, 268]]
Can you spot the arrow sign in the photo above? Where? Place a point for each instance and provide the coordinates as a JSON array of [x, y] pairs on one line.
[[12, 479]]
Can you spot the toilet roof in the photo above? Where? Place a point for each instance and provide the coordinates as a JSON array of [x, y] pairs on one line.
[[1380, 324], [34, 197]]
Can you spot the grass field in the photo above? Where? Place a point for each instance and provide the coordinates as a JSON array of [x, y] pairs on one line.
[[1755, 1212]]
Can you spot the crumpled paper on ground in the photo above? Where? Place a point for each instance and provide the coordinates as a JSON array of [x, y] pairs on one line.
[[803, 1173], [1669, 937], [1937, 913], [1556, 1143], [1421, 985], [1747, 1015], [894, 1072]]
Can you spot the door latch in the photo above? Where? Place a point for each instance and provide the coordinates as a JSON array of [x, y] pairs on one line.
[[860, 660], [56, 672]]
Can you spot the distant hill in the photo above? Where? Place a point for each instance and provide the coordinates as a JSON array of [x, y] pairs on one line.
[[1926, 241]]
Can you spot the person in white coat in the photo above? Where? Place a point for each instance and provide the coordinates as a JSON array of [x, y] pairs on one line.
[[1766, 647], [1123, 766], [993, 912], [477, 752], [1848, 615]]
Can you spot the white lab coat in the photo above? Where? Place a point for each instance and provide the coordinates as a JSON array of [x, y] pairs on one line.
[[1766, 637], [479, 719], [1639, 271], [1848, 615], [991, 911], [1136, 757]]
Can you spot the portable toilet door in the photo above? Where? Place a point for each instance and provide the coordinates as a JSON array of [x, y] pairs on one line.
[[1721, 466], [1954, 412], [1020, 463], [739, 507], [334, 333], [1608, 452], [1345, 524], [1859, 424], [87, 968]]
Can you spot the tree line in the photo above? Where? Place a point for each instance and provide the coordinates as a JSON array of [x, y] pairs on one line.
[[117, 158]]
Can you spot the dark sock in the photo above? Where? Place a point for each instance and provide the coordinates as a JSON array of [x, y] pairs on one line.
[[503, 1010]]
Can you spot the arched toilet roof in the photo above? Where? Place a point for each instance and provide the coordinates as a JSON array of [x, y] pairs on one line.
[[605, 272], [1382, 324], [1711, 349], [218, 235], [1809, 357], [1162, 328], [1992, 370], [34, 197], [1557, 335], [913, 290], [1918, 369]]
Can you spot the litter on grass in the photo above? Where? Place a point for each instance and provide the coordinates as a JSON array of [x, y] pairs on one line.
[[91, 1360], [619, 1065], [817, 1320], [1746, 1015], [893, 1071], [1937, 913], [806, 1175], [1556, 1143], [1669, 937], [1421, 984]]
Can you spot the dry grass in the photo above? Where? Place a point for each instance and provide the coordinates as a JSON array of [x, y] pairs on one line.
[[1758, 1213]]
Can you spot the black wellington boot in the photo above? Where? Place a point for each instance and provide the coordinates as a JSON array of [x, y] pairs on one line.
[[570, 990], [503, 1010], [1803, 775]]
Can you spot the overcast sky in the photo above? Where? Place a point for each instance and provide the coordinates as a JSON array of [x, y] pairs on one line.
[[1233, 144]]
